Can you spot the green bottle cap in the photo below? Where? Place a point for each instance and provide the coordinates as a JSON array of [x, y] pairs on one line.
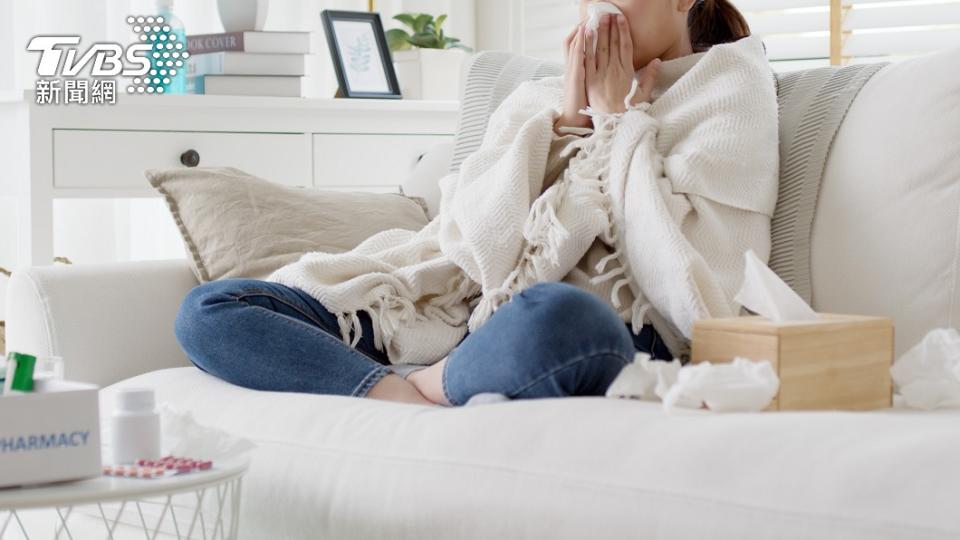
[[22, 379]]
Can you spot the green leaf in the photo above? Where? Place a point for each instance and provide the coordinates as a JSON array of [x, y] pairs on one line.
[[421, 22], [427, 33], [398, 40], [426, 41], [454, 43], [407, 19]]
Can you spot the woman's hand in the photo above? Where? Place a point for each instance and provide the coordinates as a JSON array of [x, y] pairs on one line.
[[575, 95], [609, 71]]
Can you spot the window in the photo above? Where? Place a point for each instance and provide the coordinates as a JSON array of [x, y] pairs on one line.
[[545, 24], [799, 34]]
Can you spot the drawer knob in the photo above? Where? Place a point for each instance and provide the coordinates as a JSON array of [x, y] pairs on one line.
[[190, 158]]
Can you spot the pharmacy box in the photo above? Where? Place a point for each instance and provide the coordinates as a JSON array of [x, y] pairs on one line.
[[838, 362], [50, 435]]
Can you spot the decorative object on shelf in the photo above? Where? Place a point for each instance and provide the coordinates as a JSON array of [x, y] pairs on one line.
[[427, 34], [171, 77], [360, 54], [425, 58], [243, 15]]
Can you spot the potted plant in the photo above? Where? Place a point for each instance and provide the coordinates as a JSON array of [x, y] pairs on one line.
[[427, 61]]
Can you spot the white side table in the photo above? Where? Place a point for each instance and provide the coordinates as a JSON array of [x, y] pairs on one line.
[[202, 504]]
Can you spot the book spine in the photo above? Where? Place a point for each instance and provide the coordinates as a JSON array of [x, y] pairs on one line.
[[213, 43], [206, 64]]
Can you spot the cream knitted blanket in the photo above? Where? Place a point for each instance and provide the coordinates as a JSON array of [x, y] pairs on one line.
[[678, 189]]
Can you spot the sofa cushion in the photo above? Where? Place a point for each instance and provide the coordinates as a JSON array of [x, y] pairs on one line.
[[886, 236], [583, 467], [487, 80], [236, 225], [812, 106]]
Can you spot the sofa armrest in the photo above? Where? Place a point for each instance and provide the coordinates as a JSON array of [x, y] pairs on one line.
[[109, 322], [424, 181]]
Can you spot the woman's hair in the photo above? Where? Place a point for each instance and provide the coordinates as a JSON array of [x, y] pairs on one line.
[[715, 21]]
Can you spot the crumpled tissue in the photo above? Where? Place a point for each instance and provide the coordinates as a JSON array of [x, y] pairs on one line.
[[928, 375], [183, 436], [644, 379], [742, 385], [764, 293]]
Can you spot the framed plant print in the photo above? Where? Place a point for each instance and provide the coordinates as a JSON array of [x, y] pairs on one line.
[[360, 54]]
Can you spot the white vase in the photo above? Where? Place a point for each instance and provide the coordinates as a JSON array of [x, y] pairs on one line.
[[243, 15], [432, 74]]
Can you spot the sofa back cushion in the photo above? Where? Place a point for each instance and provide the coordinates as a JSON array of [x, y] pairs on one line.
[[886, 238]]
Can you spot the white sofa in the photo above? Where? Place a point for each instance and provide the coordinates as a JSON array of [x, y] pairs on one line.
[[885, 240]]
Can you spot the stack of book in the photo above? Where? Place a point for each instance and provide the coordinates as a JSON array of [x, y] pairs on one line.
[[248, 63]]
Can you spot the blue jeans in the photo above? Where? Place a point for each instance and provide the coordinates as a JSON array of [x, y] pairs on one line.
[[551, 340]]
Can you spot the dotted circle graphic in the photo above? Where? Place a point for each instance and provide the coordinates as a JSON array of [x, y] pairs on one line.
[[168, 53]]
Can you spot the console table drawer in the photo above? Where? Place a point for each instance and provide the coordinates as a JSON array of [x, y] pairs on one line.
[[368, 162], [117, 159]]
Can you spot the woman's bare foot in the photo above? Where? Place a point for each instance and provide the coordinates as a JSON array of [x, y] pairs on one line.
[[429, 382], [393, 387]]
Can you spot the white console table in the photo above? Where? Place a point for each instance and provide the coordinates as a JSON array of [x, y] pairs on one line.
[[101, 151]]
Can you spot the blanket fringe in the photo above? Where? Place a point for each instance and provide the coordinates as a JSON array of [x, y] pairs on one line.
[[388, 312], [545, 233], [543, 228], [592, 168]]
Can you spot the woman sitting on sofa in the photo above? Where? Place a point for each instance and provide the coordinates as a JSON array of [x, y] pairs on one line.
[[604, 212]]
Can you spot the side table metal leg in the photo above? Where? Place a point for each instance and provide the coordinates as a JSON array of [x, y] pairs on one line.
[[235, 508], [106, 522], [197, 513], [62, 526]]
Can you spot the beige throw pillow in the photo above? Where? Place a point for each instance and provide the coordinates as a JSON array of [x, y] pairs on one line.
[[237, 225]]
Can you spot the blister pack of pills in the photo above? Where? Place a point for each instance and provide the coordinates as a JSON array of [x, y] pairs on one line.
[[161, 468]]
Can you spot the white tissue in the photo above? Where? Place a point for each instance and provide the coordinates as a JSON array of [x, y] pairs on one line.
[[928, 375], [741, 385], [764, 293], [594, 13], [183, 436], [644, 379]]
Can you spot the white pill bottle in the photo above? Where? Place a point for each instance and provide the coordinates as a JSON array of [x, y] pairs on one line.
[[135, 424]]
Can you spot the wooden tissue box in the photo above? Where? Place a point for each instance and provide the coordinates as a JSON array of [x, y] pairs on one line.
[[840, 362]]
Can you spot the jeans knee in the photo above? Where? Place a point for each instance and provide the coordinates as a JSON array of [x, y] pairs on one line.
[[192, 324], [561, 309], [189, 315]]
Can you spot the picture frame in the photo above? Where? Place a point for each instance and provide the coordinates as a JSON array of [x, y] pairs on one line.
[[361, 57]]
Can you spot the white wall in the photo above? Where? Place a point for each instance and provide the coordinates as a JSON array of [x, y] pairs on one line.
[[498, 25], [7, 67]]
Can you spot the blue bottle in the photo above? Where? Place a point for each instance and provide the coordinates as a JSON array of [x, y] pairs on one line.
[[168, 58]]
